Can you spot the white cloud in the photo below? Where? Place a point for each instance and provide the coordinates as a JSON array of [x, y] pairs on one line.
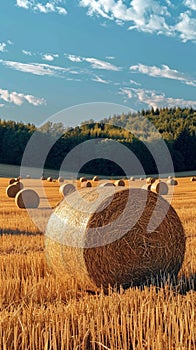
[[186, 27], [156, 100], [49, 57], [48, 7], [133, 82], [98, 79], [19, 98], [1, 105], [95, 62], [27, 53], [163, 72], [74, 58], [36, 68], [2, 47], [191, 4]]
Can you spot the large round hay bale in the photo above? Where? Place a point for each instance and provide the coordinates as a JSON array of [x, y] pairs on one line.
[[49, 179], [85, 184], [66, 189], [113, 244], [193, 178], [119, 183], [96, 178], [172, 182], [60, 179], [13, 189], [159, 187], [12, 181], [27, 198], [83, 179], [146, 187]]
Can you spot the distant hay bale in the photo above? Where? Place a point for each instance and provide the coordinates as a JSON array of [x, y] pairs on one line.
[[13, 189], [150, 180], [141, 178], [106, 184], [83, 179], [85, 184], [49, 179], [159, 187], [43, 178], [66, 189], [193, 179], [75, 248], [27, 198], [170, 177], [119, 183], [28, 176], [96, 178], [146, 187], [172, 182], [12, 181], [132, 178], [60, 179]]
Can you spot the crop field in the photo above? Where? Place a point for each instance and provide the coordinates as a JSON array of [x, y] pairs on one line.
[[38, 311]]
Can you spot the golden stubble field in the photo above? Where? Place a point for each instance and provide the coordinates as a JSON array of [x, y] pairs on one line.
[[37, 311]]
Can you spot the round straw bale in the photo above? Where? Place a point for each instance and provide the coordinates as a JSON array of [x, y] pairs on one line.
[[172, 182], [13, 189], [146, 187], [159, 187], [12, 181], [28, 176], [49, 179], [106, 184], [150, 180], [60, 179], [96, 178], [132, 178], [170, 177], [83, 179], [113, 244], [66, 189], [85, 184], [193, 179], [119, 183], [42, 178], [27, 198]]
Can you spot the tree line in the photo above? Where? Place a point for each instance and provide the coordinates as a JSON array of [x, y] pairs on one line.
[[176, 126]]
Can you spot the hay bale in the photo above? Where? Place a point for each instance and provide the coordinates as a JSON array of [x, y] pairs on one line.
[[172, 182], [150, 180], [124, 252], [12, 181], [83, 179], [27, 198], [132, 178], [49, 179], [170, 177], [193, 179], [28, 176], [13, 189], [60, 179], [66, 189], [106, 184], [43, 178], [159, 187], [119, 183], [146, 187], [85, 184], [96, 178]]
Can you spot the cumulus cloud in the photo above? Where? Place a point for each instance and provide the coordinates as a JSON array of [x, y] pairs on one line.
[[186, 27], [156, 100], [94, 62], [163, 72], [48, 7], [74, 58], [49, 57], [19, 98], [36, 68], [191, 4], [2, 47]]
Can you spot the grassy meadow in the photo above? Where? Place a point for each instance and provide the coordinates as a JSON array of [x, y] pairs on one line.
[[40, 312]]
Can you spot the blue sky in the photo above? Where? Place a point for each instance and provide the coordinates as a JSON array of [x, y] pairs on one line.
[[56, 54]]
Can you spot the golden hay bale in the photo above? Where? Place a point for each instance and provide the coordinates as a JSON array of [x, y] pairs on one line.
[[66, 189], [106, 184], [146, 187], [193, 178], [13, 189], [172, 182], [113, 244], [49, 179], [83, 179], [132, 178], [150, 180], [159, 187], [27, 198], [85, 184], [96, 178], [12, 181], [60, 179], [28, 176], [43, 178], [170, 177], [119, 183]]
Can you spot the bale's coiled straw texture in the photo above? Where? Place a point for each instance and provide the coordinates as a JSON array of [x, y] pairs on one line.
[[13, 189], [172, 182], [85, 184], [66, 189], [159, 187], [119, 183], [27, 198], [134, 253]]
